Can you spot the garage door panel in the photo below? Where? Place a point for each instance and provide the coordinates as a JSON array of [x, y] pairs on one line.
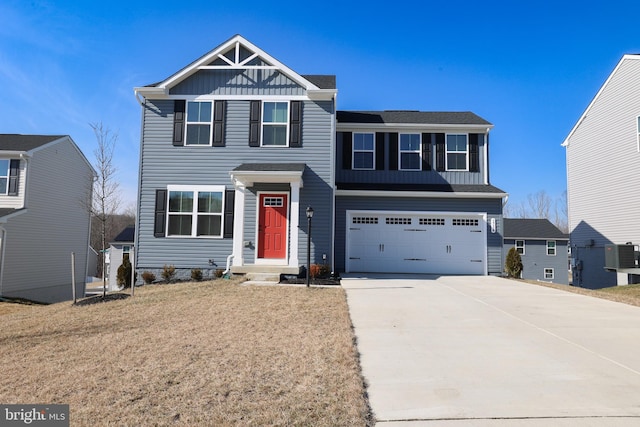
[[406, 242]]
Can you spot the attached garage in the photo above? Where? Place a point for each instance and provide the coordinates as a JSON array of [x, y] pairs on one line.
[[416, 242]]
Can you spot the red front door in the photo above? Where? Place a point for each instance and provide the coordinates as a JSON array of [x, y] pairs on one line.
[[272, 226]]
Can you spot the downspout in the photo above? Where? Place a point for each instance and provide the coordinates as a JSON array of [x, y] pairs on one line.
[[137, 227], [332, 168]]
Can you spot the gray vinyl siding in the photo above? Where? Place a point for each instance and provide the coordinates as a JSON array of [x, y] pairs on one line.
[[163, 165], [39, 242], [389, 176], [492, 207], [602, 166], [17, 201], [535, 260], [238, 82]]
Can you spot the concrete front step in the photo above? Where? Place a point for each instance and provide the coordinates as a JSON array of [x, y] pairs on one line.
[[263, 277]]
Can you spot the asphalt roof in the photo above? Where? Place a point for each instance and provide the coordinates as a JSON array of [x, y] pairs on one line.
[[411, 116], [271, 167], [532, 229], [322, 81], [16, 142], [6, 211], [126, 235], [450, 188]]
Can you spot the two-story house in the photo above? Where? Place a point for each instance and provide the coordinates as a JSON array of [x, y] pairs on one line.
[[45, 182], [236, 146], [603, 157]]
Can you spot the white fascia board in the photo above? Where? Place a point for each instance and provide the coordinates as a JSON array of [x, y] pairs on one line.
[[542, 239], [321, 94], [341, 127], [421, 194], [4, 219], [248, 178], [151, 92], [12, 154], [565, 143]]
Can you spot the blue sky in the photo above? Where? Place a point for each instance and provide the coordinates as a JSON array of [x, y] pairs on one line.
[[529, 68]]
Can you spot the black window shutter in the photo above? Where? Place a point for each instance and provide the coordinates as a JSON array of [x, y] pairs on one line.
[[474, 158], [229, 200], [426, 151], [14, 173], [219, 115], [347, 143], [440, 153], [254, 123], [178, 122], [160, 219], [295, 124], [380, 151], [393, 151]]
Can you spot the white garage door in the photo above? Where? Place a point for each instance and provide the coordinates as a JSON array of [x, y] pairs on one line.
[[416, 242]]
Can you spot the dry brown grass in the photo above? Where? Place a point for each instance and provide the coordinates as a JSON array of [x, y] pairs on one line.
[[209, 353], [629, 294]]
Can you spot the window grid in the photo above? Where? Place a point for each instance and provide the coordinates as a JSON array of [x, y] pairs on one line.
[[273, 201], [551, 247], [364, 220], [198, 129], [431, 221], [548, 273], [466, 222], [195, 212], [403, 221], [363, 151], [410, 152], [520, 246], [4, 176], [457, 157], [275, 120]]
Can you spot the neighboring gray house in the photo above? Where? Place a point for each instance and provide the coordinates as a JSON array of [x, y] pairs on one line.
[[542, 247], [43, 183], [236, 146], [603, 159], [119, 250]]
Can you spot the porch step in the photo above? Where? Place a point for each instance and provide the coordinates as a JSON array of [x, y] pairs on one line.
[[263, 277]]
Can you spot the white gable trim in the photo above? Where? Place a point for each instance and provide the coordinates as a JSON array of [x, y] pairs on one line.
[[595, 98]]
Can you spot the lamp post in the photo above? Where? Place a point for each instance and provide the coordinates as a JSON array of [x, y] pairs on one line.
[[309, 216]]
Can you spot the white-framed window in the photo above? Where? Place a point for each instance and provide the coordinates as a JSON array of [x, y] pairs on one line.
[[363, 151], [4, 176], [457, 158], [551, 247], [520, 246], [548, 273], [195, 211], [198, 129], [275, 124], [410, 158]]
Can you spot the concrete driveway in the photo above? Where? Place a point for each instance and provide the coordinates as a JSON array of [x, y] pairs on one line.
[[484, 351]]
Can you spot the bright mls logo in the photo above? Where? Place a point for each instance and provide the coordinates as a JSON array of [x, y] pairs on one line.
[[35, 415]]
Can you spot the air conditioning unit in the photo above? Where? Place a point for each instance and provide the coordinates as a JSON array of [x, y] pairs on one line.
[[619, 256]]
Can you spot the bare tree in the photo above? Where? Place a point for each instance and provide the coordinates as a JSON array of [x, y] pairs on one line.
[[540, 204], [105, 200], [561, 213], [512, 210]]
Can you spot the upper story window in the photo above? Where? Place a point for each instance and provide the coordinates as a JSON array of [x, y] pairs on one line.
[[520, 246], [410, 152], [4, 176], [551, 247], [198, 123], [363, 151], [195, 211], [275, 118], [457, 152]]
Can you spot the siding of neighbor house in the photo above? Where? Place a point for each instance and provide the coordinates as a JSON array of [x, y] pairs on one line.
[[162, 164], [602, 166], [492, 207], [535, 260], [39, 242]]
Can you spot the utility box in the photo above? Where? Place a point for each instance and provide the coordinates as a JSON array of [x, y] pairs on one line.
[[619, 256]]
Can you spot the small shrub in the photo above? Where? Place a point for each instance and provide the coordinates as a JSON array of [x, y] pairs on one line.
[[123, 276], [513, 264], [219, 272], [196, 274], [148, 277], [319, 270], [168, 272]]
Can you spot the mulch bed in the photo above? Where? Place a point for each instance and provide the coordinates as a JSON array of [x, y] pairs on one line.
[[99, 299], [328, 281]]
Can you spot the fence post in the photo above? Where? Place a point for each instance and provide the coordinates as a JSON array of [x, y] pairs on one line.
[[73, 276]]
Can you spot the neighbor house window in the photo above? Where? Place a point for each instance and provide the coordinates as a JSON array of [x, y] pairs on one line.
[[4, 176], [520, 246], [195, 211], [275, 117], [363, 151], [548, 273], [457, 153], [551, 247], [410, 151], [198, 123], [126, 250]]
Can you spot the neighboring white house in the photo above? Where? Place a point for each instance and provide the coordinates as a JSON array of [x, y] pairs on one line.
[[43, 183], [119, 249], [603, 160]]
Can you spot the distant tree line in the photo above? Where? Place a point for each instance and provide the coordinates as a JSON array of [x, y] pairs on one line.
[[541, 205]]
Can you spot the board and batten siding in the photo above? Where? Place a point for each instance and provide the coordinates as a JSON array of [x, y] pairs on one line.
[[389, 176], [39, 242], [164, 164], [492, 207], [238, 82], [16, 201], [602, 168]]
